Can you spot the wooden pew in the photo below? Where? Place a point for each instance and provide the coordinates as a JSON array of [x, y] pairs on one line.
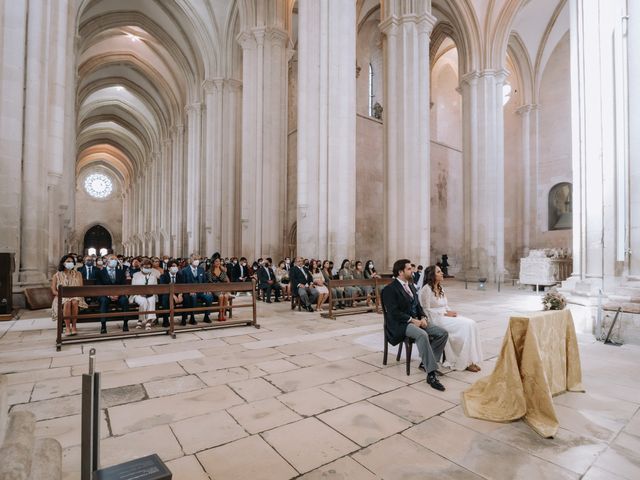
[[376, 283], [169, 289]]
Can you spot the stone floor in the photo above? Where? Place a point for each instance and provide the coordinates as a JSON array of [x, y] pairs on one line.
[[309, 397]]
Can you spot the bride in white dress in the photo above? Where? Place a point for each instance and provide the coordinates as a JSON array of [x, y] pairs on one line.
[[463, 350]]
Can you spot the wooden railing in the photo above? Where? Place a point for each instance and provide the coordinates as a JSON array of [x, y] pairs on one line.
[[172, 311], [375, 283]]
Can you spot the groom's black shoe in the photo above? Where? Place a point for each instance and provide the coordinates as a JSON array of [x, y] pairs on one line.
[[434, 382]]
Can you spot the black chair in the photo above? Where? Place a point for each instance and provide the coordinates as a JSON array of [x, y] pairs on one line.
[[407, 341]]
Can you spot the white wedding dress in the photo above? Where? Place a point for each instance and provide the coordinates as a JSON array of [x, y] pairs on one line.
[[464, 346]]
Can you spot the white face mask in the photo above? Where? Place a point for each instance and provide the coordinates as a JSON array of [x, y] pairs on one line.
[[195, 263], [69, 265], [113, 263], [146, 270], [126, 264], [173, 269], [99, 263]]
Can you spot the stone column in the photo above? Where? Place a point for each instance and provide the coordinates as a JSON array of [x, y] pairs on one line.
[[13, 40], [167, 182], [34, 198], [406, 30], [326, 128], [527, 134], [194, 172], [177, 197], [633, 56], [213, 164], [229, 182], [264, 121], [483, 160]]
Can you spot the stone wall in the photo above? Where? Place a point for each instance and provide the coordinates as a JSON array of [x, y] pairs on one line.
[[555, 144], [91, 211]]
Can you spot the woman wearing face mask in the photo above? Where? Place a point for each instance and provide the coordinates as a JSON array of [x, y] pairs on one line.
[[145, 302], [99, 263], [345, 273], [66, 276]]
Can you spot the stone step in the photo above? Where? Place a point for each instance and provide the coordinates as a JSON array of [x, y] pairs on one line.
[[47, 460], [17, 450]]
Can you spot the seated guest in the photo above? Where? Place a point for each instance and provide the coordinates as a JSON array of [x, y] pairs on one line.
[[369, 270], [88, 270], [146, 302], [336, 292], [135, 266], [318, 282], [404, 317], [282, 277], [464, 349], [66, 276], [112, 275], [345, 273], [302, 281], [217, 275], [241, 271], [267, 282], [193, 273], [358, 274], [165, 263], [157, 267], [99, 263], [172, 275]]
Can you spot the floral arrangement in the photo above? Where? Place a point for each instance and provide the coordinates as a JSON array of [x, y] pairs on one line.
[[554, 301]]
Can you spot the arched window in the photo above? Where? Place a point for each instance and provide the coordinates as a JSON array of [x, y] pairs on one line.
[[372, 94], [560, 209], [506, 94]]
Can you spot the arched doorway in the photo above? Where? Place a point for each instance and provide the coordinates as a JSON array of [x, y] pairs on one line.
[[97, 237]]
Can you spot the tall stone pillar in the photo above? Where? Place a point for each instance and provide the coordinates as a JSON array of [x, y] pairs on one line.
[[528, 134], [264, 130], [194, 173], [213, 164], [326, 128], [166, 180], [34, 191], [483, 160], [633, 56], [229, 182], [177, 196], [406, 29], [13, 40]]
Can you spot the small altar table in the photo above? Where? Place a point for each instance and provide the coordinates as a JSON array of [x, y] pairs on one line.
[[539, 358]]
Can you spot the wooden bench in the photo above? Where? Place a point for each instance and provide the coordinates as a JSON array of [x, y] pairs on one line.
[[170, 289], [375, 283]]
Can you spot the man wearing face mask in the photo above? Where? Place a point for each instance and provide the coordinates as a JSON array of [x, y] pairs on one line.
[[112, 275], [302, 284], [145, 302], [241, 271], [88, 270], [267, 282], [172, 275], [193, 273]]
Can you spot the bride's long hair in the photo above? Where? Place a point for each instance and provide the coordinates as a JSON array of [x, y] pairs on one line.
[[430, 279]]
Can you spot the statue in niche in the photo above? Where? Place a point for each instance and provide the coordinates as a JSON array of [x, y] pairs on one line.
[[560, 208], [377, 111]]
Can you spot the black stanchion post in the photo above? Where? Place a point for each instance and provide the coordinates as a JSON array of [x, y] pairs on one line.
[[87, 435]]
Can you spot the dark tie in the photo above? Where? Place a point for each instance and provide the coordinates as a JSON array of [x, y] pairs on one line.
[[112, 274], [173, 279], [88, 272]]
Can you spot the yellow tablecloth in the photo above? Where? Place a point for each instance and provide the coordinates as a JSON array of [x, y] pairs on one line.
[[539, 358]]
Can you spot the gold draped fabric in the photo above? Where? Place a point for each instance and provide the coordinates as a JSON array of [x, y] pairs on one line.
[[539, 358]]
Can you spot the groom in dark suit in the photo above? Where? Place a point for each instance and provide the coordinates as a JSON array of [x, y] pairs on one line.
[[404, 317]]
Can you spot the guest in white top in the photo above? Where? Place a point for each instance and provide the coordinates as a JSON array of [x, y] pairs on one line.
[[463, 351], [145, 302]]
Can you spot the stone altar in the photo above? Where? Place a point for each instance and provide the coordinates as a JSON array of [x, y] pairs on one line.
[[545, 267]]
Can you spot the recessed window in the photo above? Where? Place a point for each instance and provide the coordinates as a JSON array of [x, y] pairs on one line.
[[372, 94], [98, 185], [506, 94]]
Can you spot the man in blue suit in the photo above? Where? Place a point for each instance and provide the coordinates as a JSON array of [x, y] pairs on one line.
[[193, 273], [112, 275]]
